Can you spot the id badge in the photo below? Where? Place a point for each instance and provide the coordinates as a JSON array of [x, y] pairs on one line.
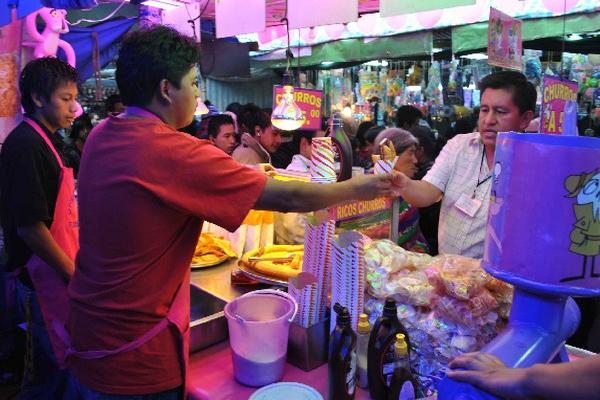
[[468, 205]]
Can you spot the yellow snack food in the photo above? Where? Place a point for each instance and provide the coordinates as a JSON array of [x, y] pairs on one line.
[[276, 261], [212, 250]]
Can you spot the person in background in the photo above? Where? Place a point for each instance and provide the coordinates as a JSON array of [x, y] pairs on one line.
[[36, 201], [79, 131], [359, 144], [303, 142], [221, 132], [430, 215], [258, 139], [461, 175], [114, 104], [570, 380], [406, 145], [365, 147], [407, 117], [142, 206]]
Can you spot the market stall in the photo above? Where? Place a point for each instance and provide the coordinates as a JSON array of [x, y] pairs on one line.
[[346, 312]]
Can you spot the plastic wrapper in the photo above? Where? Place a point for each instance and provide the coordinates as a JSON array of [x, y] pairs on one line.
[[460, 277]]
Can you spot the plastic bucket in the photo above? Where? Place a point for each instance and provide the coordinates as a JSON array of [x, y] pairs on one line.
[[259, 324]]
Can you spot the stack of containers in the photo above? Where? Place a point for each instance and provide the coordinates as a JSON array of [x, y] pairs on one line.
[[318, 235], [348, 275], [303, 288]]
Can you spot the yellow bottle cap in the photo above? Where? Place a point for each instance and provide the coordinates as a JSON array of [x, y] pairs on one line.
[[363, 323], [400, 347]]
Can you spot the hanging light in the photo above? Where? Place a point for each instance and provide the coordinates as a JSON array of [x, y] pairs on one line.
[[287, 116]]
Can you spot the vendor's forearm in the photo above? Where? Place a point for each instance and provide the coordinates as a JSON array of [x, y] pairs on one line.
[[302, 197], [420, 193], [572, 380], [40, 241]]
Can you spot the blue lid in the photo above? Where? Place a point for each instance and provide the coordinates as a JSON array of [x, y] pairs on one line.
[[286, 390]]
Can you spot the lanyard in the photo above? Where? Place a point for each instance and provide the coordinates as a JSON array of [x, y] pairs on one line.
[[481, 182]]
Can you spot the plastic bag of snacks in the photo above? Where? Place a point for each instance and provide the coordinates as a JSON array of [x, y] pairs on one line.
[[393, 271], [460, 277]]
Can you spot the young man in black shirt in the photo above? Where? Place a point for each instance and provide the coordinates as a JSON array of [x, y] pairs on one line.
[[30, 178]]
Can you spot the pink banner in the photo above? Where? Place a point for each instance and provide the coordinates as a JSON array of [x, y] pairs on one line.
[[310, 102], [505, 42], [10, 47], [556, 92]]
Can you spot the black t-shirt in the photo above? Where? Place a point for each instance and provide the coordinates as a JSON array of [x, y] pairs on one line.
[[29, 177]]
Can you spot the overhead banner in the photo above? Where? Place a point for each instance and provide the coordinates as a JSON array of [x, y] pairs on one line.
[[505, 40], [233, 17], [307, 13], [555, 94], [389, 8], [310, 102]]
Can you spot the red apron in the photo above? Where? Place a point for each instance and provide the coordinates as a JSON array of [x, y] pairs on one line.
[[178, 315], [50, 287]]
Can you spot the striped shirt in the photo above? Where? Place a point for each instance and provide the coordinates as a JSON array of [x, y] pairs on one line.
[[458, 170]]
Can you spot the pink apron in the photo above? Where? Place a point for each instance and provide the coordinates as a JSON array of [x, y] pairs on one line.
[[50, 287], [178, 315]]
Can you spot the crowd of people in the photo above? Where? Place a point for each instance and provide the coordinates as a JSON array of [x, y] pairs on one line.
[[117, 257]]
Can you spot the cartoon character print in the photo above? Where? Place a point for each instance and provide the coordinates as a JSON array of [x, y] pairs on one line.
[[585, 236]]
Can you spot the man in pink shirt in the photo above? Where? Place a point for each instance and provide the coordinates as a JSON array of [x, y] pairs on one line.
[[144, 191]]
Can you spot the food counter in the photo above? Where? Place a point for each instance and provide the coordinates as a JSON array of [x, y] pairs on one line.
[[211, 368]]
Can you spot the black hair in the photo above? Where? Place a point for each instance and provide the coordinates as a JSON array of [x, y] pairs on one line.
[[215, 122], [252, 116], [372, 133], [524, 94], [43, 76], [407, 116], [150, 55], [82, 122], [111, 101], [363, 127]]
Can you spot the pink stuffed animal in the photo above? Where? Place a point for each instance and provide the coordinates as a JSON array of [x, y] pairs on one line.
[[47, 43]]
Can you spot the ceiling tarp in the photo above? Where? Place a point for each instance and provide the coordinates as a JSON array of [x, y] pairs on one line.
[[474, 37], [358, 50]]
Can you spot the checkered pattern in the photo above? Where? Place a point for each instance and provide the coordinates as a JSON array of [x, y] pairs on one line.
[[456, 171]]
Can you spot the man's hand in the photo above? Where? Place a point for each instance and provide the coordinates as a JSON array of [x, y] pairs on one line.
[[490, 374], [366, 187]]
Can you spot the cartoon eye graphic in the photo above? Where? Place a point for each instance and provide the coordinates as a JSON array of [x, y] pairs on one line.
[[497, 169], [54, 13], [591, 187]]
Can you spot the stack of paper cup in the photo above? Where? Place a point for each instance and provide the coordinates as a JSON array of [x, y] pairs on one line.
[[322, 167], [303, 289], [317, 254], [348, 275]]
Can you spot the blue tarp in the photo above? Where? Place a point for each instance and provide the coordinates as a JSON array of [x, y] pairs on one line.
[[26, 7], [109, 35]]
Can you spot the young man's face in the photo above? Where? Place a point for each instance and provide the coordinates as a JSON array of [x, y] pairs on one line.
[[184, 99], [270, 139], [499, 113], [59, 110], [225, 139]]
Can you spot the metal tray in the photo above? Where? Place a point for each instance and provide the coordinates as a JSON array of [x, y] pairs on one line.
[[207, 319], [257, 276]]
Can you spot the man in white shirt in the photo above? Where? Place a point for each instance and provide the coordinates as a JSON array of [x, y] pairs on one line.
[[301, 162], [461, 175]]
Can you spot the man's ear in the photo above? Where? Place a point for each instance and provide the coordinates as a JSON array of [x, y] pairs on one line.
[[526, 118], [257, 130], [37, 100], [164, 88]]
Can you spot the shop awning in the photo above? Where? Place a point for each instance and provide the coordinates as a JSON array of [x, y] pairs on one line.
[[473, 37], [361, 50]]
